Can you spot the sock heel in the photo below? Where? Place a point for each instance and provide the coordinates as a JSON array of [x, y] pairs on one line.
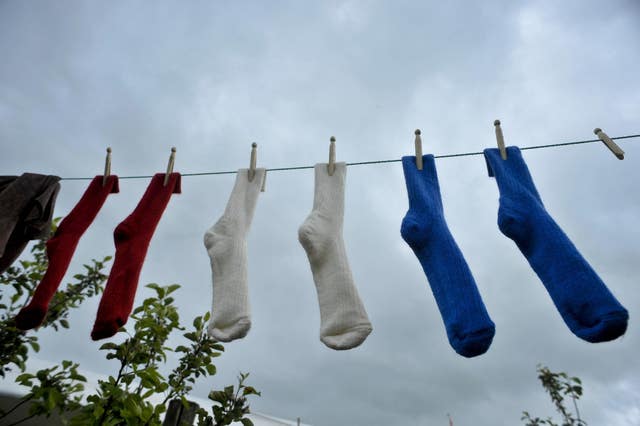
[[122, 233], [52, 245], [312, 241], [209, 240], [414, 231], [512, 223]]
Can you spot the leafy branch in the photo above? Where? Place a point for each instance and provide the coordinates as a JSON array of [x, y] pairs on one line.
[[559, 386], [125, 398]]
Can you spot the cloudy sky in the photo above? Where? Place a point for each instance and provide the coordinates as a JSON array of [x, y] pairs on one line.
[[211, 77]]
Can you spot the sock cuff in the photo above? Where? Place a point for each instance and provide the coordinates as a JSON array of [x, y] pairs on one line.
[[322, 171], [175, 181], [328, 192], [87, 208], [493, 158], [512, 175], [422, 185], [243, 199], [409, 163], [112, 183], [259, 177], [153, 202]]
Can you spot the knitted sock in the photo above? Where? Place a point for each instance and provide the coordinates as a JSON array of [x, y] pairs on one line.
[[343, 320], [226, 243], [584, 301], [132, 237], [62, 245], [469, 328]]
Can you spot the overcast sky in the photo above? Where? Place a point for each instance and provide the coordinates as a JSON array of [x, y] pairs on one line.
[[211, 77]]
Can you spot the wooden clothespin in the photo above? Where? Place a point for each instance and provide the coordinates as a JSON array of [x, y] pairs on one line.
[[617, 151], [252, 162], [331, 167], [107, 167], [418, 144], [172, 160], [500, 140]]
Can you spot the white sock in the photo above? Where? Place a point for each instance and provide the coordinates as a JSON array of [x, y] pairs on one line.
[[343, 320], [227, 247]]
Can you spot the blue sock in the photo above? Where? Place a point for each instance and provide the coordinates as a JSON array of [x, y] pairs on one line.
[[469, 328], [584, 301]]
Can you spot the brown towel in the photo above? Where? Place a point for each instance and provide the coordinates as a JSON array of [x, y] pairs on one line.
[[26, 209]]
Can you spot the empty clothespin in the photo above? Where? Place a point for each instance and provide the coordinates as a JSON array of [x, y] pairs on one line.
[[172, 160], [107, 167], [331, 166], [418, 144], [252, 162], [617, 151], [500, 140]]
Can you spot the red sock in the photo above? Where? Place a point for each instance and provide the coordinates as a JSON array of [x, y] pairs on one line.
[[132, 237], [60, 249]]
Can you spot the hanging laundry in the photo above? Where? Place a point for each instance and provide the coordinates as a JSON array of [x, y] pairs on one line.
[[468, 325], [61, 247], [344, 323], [26, 209], [132, 237], [226, 244], [583, 300]]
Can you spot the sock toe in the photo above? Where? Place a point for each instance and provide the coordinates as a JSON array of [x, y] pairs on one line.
[[228, 333], [349, 339], [30, 317], [474, 343], [609, 327], [105, 329]]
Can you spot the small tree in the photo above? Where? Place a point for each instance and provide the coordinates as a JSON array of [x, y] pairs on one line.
[[559, 386], [17, 284], [125, 397]]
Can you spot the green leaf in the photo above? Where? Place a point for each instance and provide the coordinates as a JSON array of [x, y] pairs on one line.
[[35, 346], [218, 396], [108, 346], [250, 390], [246, 422], [197, 323], [172, 288]]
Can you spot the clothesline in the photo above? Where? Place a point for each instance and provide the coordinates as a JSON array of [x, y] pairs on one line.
[[361, 163], [582, 299]]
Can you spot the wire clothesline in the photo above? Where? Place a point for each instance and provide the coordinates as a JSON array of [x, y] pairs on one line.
[[361, 163]]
